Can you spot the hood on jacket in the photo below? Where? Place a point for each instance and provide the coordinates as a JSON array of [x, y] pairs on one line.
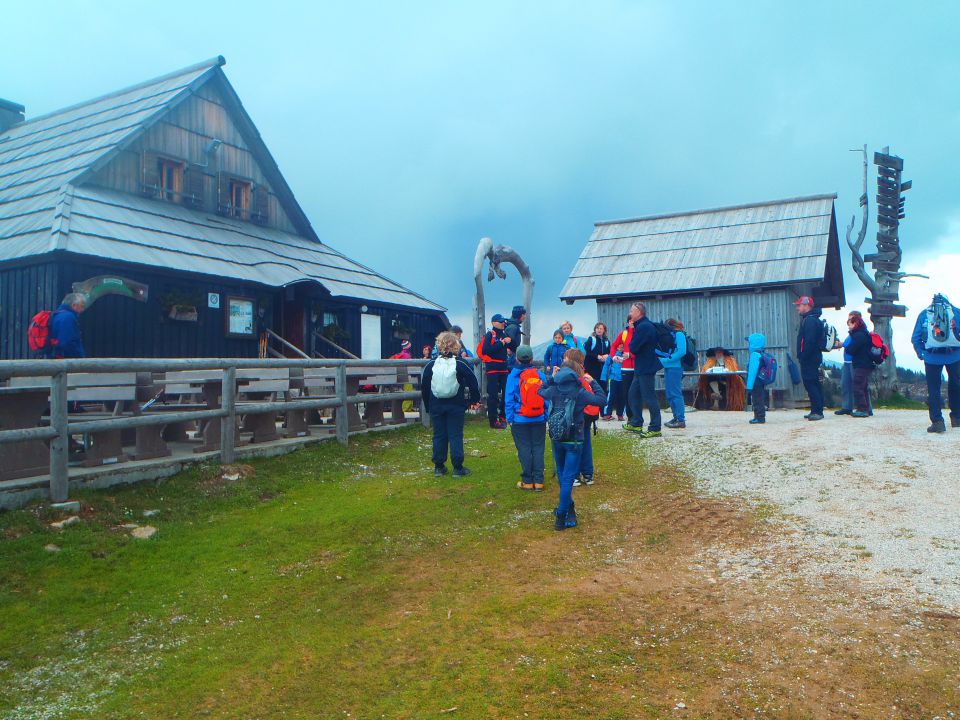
[[567, 380], [757, 342], [815, 312]]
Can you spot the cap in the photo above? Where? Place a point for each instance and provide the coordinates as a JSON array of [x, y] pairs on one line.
[[518, 311], [804, 300], [405, 344], [498, 318], [524, 354]]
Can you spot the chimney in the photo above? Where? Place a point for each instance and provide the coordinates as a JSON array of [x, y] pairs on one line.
[[10, 114]]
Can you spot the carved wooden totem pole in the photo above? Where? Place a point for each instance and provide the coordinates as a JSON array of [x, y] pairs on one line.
[[884, 285]]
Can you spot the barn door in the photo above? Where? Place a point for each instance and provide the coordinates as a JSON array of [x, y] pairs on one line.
[[370, 336]]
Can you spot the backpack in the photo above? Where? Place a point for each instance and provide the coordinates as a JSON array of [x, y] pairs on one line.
[[38, 332], [689, 361], [444, 382], [531, 404], [562, 425], [482, 355], [666, 340], [767, 373], [591, 411], [829, 336], [878, 349], [794, 370], [940, 331]]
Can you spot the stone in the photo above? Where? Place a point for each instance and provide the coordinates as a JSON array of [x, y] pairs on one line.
[[70, 506], [52, 548], [72, 520], [129, 526], [144, 533], [150, 513]]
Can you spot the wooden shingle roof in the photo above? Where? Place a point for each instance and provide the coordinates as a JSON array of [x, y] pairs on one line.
[[769, 243]]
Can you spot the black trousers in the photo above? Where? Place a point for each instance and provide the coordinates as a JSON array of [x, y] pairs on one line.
[[447, 421], [496, 383], [861, 388], [531, 442], [758, 398], [625, 385], [810, 374], [643, 392]]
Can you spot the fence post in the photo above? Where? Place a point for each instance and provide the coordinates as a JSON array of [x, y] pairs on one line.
[[343, 419], [228, 423], [60, 445]]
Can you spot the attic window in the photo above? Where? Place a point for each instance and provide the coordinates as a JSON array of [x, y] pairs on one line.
[[240, 198], [162, 177]]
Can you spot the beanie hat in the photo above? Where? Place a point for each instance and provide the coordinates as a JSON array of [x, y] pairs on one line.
[[524, 354]]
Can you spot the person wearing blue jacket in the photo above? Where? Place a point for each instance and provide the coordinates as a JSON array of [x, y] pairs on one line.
[[646, 365], [529, 429], [809, 353], [939, 349], [611, 376], [566, 384], [65, 327], [757, 343], [553, 357], [673, 374]]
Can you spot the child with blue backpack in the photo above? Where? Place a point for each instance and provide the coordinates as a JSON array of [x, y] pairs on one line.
[[761, 372]]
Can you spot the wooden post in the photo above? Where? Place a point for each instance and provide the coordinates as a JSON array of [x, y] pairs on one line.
[[59, 445], [228, 423], [343, 429]]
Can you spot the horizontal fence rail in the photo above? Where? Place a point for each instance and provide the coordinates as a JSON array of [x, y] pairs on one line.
[[52, 376]]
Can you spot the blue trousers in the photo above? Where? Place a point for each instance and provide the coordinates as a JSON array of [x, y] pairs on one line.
[[586, 455], [567, 457], [846, 388], [447, 421], [673, 381], [934, 379], [643, 392]]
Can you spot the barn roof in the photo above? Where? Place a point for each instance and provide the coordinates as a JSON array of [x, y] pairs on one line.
[[45, 205], [769, 243]]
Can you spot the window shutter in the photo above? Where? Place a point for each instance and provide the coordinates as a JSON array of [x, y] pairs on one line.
[[261, 203], [223, 194], [150, 180], [193, 187]]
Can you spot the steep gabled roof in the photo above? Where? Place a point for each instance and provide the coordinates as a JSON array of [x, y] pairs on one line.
[[769, 243], [45, 205]]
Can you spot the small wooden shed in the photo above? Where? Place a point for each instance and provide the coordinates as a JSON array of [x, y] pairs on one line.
[[723, 272]]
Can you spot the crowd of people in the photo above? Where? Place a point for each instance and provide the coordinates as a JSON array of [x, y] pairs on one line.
[[583, 379]]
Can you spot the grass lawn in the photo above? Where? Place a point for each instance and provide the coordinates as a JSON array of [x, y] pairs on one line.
[[351, 583]]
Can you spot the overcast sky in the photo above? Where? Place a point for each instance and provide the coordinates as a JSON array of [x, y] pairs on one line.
[[409, 130]]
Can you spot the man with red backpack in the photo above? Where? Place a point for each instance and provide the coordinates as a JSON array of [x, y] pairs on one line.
[[527, 415], [57, 334]]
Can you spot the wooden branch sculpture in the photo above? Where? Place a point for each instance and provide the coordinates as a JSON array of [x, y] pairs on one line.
[[496, 255]]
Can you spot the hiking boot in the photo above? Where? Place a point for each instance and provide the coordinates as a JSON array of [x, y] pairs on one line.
[[675, 424], [461, 472], [651, 434], [757, 421], [937, 426], [843, 412], [559, 523], [538, 487], [633, 428], [521, 485], [576, 481], [497, 426], [571, 520], [619, 418], [859, 413], [588, 479], [440, 470], [815, 416]]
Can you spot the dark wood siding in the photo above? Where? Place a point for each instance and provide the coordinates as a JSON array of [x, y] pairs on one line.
[[24, 291]]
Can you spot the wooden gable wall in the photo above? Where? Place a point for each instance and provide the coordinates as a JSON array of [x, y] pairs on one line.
[[183, 134]]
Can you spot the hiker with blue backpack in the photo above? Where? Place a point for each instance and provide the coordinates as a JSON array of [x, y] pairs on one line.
[[527, 417], [568, 399], [761, 372], [936, 340], [673, 374], [448, 386]]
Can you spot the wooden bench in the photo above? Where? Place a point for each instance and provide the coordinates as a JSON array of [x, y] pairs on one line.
[[112, 390], [313, 383]]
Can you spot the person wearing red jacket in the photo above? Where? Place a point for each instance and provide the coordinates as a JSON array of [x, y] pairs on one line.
[[620, 353], [494, 347]]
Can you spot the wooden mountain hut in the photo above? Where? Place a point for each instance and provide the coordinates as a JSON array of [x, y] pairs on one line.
[[723, 272], [162, 203]]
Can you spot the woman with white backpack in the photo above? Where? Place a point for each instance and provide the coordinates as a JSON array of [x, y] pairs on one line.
[[448, 387]]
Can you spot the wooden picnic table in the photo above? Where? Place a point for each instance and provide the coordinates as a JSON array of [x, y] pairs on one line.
[[22, 407]]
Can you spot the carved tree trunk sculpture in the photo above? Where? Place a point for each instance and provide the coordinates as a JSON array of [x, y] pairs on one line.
[[497, 255]]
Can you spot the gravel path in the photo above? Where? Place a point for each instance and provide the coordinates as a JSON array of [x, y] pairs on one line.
[[877, 499]]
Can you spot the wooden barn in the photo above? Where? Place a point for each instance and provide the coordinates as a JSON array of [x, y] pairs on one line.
[[163, 204], [723, 272]]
